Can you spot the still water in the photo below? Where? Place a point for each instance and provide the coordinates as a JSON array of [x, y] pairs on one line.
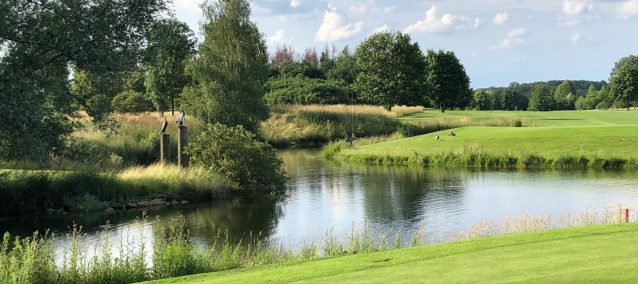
[[325, 196]]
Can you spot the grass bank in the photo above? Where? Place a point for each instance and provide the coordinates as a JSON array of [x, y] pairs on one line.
[[609, 147], [318, 124], [36, 191], [576, 255]]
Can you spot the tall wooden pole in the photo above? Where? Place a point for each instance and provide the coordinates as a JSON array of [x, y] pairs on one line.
[[182, 142], [165, 142]]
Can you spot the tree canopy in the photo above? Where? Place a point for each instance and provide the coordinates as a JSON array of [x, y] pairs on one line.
[[170, 44], [447, 83], [390, 70], [40, 40], [230, 69], [541, 99], [624, 81]]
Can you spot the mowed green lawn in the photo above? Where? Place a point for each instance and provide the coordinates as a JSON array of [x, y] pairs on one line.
[[550, 142], [553, 118], [599, 254]]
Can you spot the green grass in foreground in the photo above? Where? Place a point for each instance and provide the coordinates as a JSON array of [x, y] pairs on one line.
[[526, 147], [579, 255]]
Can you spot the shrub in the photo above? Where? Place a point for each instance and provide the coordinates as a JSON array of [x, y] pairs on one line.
[[234, 153], [131, 101], [302, 90]]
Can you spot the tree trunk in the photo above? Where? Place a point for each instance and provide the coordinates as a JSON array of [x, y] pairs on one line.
[[173, 106], [442, 106]]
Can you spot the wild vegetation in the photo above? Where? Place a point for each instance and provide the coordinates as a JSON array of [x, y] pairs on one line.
[[173, 252]]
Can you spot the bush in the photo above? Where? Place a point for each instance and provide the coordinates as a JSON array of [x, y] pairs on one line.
[[302, 90], [236, 154], [131, 101]]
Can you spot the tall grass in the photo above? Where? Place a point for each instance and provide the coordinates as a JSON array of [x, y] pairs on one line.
[[476, 158], [175, 253], [318, 124], [27, 191]]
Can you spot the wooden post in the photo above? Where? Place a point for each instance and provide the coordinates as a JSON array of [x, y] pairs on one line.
[[625, 215], [182, 142], [165, 142]]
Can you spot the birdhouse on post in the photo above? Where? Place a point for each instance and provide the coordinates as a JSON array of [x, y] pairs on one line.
[[182, 140]]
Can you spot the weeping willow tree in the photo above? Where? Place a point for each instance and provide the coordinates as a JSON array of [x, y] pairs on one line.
[[230, 69]]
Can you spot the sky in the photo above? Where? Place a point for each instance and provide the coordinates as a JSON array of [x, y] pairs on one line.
[[497, 41]]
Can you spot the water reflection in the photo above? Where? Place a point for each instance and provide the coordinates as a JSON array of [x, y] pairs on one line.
[[325, 196]]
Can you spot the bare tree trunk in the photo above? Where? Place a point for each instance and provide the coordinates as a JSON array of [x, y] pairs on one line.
[[442, 106]]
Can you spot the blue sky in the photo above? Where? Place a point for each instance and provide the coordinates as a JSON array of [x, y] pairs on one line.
[[498, 41]]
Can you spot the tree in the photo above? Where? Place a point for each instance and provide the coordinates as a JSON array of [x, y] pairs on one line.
[[390, 70], [131, 101], [231, 68], [40, 40], [170, 44], [565, 96], [282, 56], [481, 100], [447, 83], [344, 69], [624, 81], [541, 99]]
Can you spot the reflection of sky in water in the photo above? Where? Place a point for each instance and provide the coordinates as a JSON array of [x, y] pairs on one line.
[[324, 197]]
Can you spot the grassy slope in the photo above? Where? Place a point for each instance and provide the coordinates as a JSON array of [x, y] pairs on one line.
[[593, 134], [552, 142], [554, 118], [590, 254]]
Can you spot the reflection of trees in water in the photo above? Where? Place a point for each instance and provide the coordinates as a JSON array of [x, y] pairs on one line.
[[240, 217], [404, 194]]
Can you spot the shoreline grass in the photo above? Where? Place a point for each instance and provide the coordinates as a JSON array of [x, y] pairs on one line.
[[488, 147], [593, 253], [36, 191], [174, 253]]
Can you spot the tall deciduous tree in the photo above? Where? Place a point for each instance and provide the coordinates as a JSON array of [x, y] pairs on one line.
[[565, 95], [541, 99], [624, 81], [447, 83], [40, 40], [231, 68], [170, 44], [390, 70]]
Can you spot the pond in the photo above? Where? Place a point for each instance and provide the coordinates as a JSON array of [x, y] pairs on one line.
[[325, 196]]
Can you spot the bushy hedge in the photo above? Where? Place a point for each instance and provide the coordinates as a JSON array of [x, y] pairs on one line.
[[236, 154], [131, 101], [303, 90]]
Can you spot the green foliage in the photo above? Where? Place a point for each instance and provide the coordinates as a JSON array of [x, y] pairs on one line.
[[344, 69], [447, 83], [303, 69], [131, 101], [624, 82], [390, 69], [565, 96], [541, 99], [44, 38], [233, 152], [481, 100], [302, 90], [231, 68], [170, 44]]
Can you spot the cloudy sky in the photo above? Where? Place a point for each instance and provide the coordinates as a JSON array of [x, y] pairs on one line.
[[498, 41]]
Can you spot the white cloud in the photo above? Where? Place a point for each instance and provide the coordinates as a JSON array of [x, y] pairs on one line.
[[192, 6], [369, 7], [576, 37], [501, 18], [514, 37], [380, 29], [277, 38], [576, 7], [432, 23], [295, 3], [628, 9], [333, 29]]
